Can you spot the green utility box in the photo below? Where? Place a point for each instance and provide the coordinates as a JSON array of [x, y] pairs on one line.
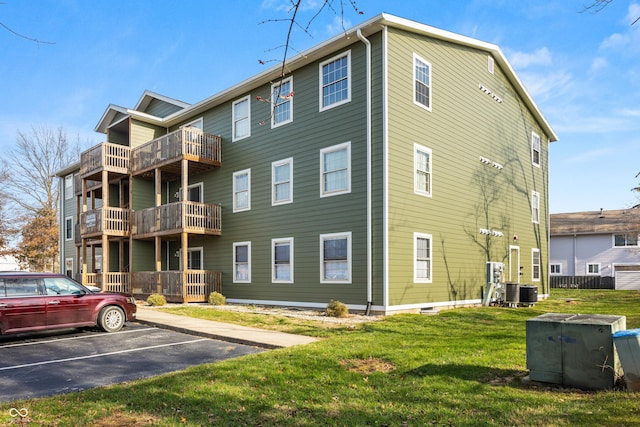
[[574, 350]]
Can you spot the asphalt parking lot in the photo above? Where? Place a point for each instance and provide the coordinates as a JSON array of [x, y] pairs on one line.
[[46, 364]]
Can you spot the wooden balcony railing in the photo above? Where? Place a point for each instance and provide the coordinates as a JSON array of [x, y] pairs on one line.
[[177, 286], [106, 156], [178, 217], [105, 220], [184, 143], [108, 282]]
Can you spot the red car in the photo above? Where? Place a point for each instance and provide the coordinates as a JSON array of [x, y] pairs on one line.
[[40, 301]]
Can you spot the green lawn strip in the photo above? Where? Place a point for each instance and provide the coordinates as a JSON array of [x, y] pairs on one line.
[[463, 367]]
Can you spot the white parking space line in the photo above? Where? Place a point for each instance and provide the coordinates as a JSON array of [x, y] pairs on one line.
[[47, 362], [74, 338]]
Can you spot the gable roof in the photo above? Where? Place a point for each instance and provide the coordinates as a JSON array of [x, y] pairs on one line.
[[335, 43], [595, 222]]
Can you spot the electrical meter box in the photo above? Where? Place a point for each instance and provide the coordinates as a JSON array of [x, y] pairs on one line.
[[574, 350]]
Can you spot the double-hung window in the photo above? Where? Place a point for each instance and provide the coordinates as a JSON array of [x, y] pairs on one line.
[[335, 170], [535, 265], [535, 149], [241, 119], [422, 258], [282, 182], [335, 258], [422, 82], [68, 187], [422, 163], [68, 228], [624, 240], [242, 262], [535, 207], [282, 260], [282, 102], [242, 190], [335, 81]]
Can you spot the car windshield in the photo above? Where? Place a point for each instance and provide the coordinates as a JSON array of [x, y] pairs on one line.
[[62, 286]]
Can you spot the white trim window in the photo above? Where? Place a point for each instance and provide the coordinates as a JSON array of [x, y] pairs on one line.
[[241, 112], [624, 240], [535, 207], [535, 265], [422, 163], [68, 187], [242, 262], [490, 64], [555, 269], [422, 256], [335, 81], [593, 269], [421, 82], [68, 228], [197, 124], [335, 170], [282, 102], [535, 149], [195, 193], [195, 258], [335, 258], [242, 190], [282, 182], [282, 260]]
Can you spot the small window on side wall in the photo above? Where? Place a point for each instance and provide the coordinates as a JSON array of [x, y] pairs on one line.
[[241, 118], [535, 149], [422, 164], [535, 265], [593, 269], [422, 82], [335, 81]]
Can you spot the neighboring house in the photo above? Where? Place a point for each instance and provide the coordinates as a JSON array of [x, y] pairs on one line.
[[600, 244], [384, 170], [8, 263]]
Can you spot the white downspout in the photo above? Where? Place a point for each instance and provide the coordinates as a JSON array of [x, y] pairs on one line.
[[369, 222]]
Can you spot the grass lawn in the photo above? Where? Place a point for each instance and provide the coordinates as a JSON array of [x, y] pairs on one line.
[[463, 367]]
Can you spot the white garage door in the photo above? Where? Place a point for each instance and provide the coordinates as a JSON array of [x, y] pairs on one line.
[[628, 280]]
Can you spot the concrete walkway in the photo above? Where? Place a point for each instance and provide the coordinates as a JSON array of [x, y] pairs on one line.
[[220, 331]]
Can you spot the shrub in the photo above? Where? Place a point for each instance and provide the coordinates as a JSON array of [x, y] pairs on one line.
[[156, 299], [337, 309], [216, 298]]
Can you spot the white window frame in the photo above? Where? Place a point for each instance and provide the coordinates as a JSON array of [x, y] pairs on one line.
[[416, 58], [626, 245], [235, 264], [197, 123], [322, 106], [68, 187], [336, 236], [536, 277], [417, 190], [555, 266], [284, 98], [416, 278], [190, 251], [589, 267], [199, 185], [535, 207], [248, 190], [274, 184], [536, 143], [274, 242], [344, 146], [235, 120], [68, 236], [490, 64]]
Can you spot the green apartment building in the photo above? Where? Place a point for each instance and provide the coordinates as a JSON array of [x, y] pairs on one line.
[[384, 170]]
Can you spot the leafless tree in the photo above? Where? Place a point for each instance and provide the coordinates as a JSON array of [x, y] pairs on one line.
[[15, 33], [598, 5]]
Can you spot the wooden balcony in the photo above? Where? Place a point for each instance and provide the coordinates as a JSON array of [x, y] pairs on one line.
[[201, 149], [105, 220], [113, 158], [91, 185], [176, 218], [177, 286], [108, 282]]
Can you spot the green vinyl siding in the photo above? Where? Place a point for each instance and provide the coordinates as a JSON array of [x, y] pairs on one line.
[[142, 133], [160, 108], [465, 123]]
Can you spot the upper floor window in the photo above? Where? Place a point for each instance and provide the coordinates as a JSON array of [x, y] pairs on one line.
[[68, 187], [282, 102], [422, 162], [68, 228], [242, 190], [421, 258], [535, 207], [282, 260], [241, 119], [335, 81], [282, 182], [490, 64], [535, 265], [335, 258], [422, 82], [623, 240], [335, 170], [535, 149], [242, 262]]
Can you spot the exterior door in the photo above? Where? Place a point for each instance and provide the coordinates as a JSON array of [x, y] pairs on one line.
[[514, 264]]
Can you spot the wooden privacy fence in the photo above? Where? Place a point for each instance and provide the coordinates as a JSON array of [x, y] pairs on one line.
[[178, 286], [582, 282]]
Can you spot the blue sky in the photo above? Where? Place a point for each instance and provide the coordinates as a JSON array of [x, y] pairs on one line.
[[582, 69]]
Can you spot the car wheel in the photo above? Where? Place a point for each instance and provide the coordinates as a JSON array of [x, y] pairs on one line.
[[111, 319]]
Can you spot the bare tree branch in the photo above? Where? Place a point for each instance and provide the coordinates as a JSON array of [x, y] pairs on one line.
[[15, 33]]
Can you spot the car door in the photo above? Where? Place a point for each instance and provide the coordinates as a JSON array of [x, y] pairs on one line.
[[22, 306], [67, 303]]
